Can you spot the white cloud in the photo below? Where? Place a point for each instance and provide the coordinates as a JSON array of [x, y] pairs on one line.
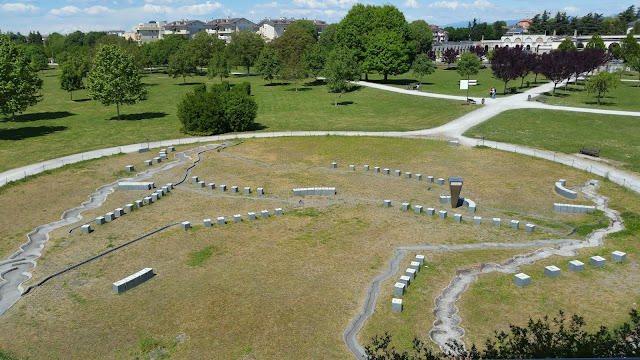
[[65, 11], [273, 4], [19, 7], [195, 9], [571, 9], [411, 4], [98, 10], [453, 5], [73, 10], [324, 4]]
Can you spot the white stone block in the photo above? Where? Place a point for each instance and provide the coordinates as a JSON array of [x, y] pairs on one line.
[[376, 169], [278, 211], [129, 168], [148, 200], [515, 224], [100, 220], [396, 305], [457, 218], [597, 261], [420, 259], [365, 168], [118, 212], [264, 213], [221, 221], [430, 179], [417, 209], [386, 171], [530, 228], [552, 271], [223, 188], [211, 186], [397, 173], [444, 199], [128, 208], [158, 193], [477, 220], [139, 203], [186, 225], [237, 218], [440, 181], [201, 184], [576, 265], [407, 175], [442, 214], [154, 196], [497, 222], [405, 280], [109, 216], [207, 223], [417, 177], [405, 206], [522, 279], [148, 162], [194, 179], [386, 203], [86, 228], [618, 256], [411, 273], [163, 156], [415, 265], [334, 165], [171, 149], [452, 143], [157, 160], [234, 189], [247, 190], [352, 168], [431, 211], [251, 216], [260, 191], [398, 289]]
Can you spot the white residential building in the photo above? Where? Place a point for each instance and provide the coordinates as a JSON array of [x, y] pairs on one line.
[[150, 32], [225, 27], [273, 28], [185, 27], [439, 35]]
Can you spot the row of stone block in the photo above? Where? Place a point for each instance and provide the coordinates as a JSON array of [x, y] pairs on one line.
[[236, 218], [561, 190], [133, 185], [133, 280], [401, 286], [553, 271], [169, 149], [314, 191], [570, 208], [386, 171], [155, 160], [223, 188]]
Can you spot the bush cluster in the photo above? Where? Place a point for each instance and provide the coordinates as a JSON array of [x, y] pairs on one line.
[[220, 109]]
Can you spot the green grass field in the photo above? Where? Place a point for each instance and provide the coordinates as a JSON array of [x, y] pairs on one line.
[[446, 81], [617, 137], [625, 97], [58, 126]]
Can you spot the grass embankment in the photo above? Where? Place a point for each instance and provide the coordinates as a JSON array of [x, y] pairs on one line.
[[259, 286], [625, 97], [58, 126], [447, 81], [617, 137]]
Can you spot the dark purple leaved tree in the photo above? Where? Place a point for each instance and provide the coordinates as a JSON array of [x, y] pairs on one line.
[[504, 64], [556, 67], [449, 56], [478, 50]]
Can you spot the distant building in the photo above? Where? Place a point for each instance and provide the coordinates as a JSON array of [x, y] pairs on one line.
[[525, 23], [225, 27], [188, 28], [540, 44], [115, 32], [273, 28], [439, 35], [150, 32], [515, 31]]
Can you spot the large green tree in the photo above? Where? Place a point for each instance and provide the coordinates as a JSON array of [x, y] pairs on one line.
[[244, 48], [291, 47], [629, 47], [19, 81], [567, 45], [315, 58], [218, 66], [601, 83], [422, 66], [327, 38], [203, 46], [386, 54], [307, 26], [596, 42], [114, 78], [268, 64], [353, 31], [71, 75], [181, 64], [422, 36], [634, 64], [340, 70], [468, 65]]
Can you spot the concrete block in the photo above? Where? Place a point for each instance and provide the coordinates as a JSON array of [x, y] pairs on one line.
[[119, 287], [561, 190], [398, 289], [417, 177], [522, 279], [618, 256], [119, 212], [352, 168], [169, 186], [407, 175], [141, 150], [100, 220], [472, 209], [260, 191], [207, 223], [431, 211], [430, 179], [211, 186], [386, 171], [376, 169], [576, 265], [597, 261], [452, 143], [185, 225], [194, 179], [171, 149], [220, 221], [562, 182], [415, 265], [165, 190], [159, 193], [201, 184], [404, 279], [417, 209], [420, 259], [396, 305], [128, 208], [386, 203], [552, 271], [594, 182], [163, 156], [129, 168], [86, 228], [139, 203], [405, 206], [157, 160], [148, 200], [247, 190], [556, 207], [397, 173], [442, 214], [515, 224], [234, 189], [530, 228], [237, 218], [334, 165], [457, 218], [154, 197], [365, 168], [278, 211], [109, 216], [148, 162], [411, 273], [251, 216], [497, 222], [444, 199], [477, 220], [440, 181], [264, 213], [223, 188]]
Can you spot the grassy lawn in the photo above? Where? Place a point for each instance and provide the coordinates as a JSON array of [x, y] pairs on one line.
[[625, 97], [617, 137], [446, 81], [58, 126], [285, 287]]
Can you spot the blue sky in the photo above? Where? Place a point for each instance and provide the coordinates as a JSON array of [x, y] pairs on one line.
[[67, 16]]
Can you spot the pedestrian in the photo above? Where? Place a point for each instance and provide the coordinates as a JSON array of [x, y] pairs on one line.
[[493, 92]]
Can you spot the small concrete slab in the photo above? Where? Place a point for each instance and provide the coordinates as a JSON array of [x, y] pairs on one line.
[[223, 188], [148, 162], [597, 261], [411, 273], [442, 214], [260, 191], [398, 289], [440, 181], [365, 167], [201, 184], [148, 200], [386, 203], [552, 271], [457, 218], [405, 206], [185, 225], [418, 209], [100, 220], [157, 160], [397, 173], [576, 265], [396, 305], [278, 211], [128, 208], [352, 168], [251, 216], [118, 212], [452, 143], [417, 177], [515, 224], [420, 259], [405, 280], [376, 169], [497, 222], [234, 189], [386, 171], [220, 221], [211, 186], [407, 175], [431, 211], [109, 216], [415, 265], [477, 220], [86, 229], [171, 149], [194, 179], [618, 256], [129, 168], [237, 218], [334, 165], [264, 213], [530, 228], [154, 197], [207, 223], [430, 179], [247, 190], [522, 279]]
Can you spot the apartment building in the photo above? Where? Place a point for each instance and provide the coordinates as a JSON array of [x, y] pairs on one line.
[[225, 27], [150, 32], [187, 27]]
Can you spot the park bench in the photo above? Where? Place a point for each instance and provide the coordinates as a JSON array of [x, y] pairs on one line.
[[590, 151], [541, 99], [471, 82], [471, 101]]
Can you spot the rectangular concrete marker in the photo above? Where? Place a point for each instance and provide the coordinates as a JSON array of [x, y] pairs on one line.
[[440, 181], [170, 186], [260, 191], [396, 305], [618, 256], [223, 188], [431, 211], [452, 143], [365, 168], [417, 209], [515, 224], [457, 218], [100, 220], [411, 273], [171, 149], [497, 222], [444, 199], [529, 228], [477, 220], [552, 271], [86, 228], [109, 216], [430, 179], [407, 175], [186, 225], [118, 212], [334, 165], [397, 173], [405, 280], [405, 206], [165, 189], [376, 169], [442, 214], [159, 193], [211, 186], [154, 197], [264, 213], [398, 289], [237, 218], [420, 259], [163, 156], [157, 160], [207, 223], [455, 186], [386, 203], [597, 261], [247, 190], [201, 184], [576, 265], [278, 211], [386, 171], [148, 162], [194, 179], [148, 200], [415, 265], [129, 168], [234, 189], [251, 216], [522, 279], [139, 203], [141, 150], [418, 177], [352, 168], [221, 221]]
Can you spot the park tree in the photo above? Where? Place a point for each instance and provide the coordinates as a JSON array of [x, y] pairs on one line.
[[450, 55], [34, 38], [422, 36], [629, 47], [268, 64], [422, 66], [340, 70], [526, 65], [601, 83], [327, 39], [203, 46], [386, 54], [431, 55], [36, 55], [307, 26], [596, 42], [499, 29], [291, 47], [181, 64], [354, 29], [162, 49], [218, 66], [114, 78], [19, 81], [478, 50], [244, 48], [567, 45], [71, 75], [315, 58], [504, 64], [468, 65], [634, 64], [54, 44], [556, 67]]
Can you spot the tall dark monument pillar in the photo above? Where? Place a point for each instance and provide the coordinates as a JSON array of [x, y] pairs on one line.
[[455, 185]]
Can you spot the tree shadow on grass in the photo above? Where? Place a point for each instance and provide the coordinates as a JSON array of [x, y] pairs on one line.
[[190, 83], [346, 103], [602, 103], [256, 127], [81, 100], [300, 89], [403, 82], [316, 82], [354, 88], [556, 95], [140, 116], [276, 84], [29, 132], [47, 115]]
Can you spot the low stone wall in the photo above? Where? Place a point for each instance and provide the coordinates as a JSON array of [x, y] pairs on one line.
[[570, 208], [132, 281], [561, 190], [314, 191]]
